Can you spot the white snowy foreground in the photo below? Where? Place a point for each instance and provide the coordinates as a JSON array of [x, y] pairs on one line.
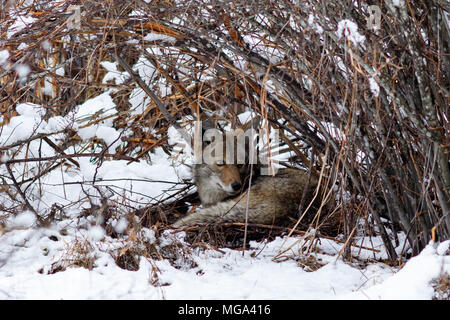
[[27, 255]]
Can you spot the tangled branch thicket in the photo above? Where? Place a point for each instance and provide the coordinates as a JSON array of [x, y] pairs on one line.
[[374, 100]]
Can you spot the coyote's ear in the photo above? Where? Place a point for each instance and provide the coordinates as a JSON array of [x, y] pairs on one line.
[[252, 123], [201, 126], [207, 124]]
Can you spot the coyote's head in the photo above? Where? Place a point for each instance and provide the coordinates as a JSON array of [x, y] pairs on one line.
[[228, 159]]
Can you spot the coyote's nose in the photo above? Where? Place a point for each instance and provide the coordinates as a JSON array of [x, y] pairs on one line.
[[236, 186]]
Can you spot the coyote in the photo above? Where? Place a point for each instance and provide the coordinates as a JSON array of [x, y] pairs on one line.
[[227, 196]]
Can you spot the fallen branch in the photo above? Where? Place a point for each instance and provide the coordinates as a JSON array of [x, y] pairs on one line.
[[69, 156], [22, 194]]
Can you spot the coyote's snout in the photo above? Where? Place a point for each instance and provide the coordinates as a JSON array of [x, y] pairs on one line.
[[225, 169], [226, 196], [218, 181]]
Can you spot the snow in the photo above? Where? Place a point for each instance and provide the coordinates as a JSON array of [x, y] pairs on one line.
[[412, 281], [113, 73], [23, 126], [22, 70], [20, 23], [374, 87], [96, 233], [46, 45], [24, 219], [349, 30], [101, 104], [4, 55], [315, 26], [157, 36], [120, 226], [443, 248], [29, 109], [138, 98], [398, 3], [227, 274]]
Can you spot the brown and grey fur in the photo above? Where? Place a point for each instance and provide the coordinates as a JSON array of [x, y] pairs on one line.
[[270, 197]]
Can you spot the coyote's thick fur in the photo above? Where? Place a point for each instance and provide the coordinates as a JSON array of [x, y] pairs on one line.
[[226, 195]]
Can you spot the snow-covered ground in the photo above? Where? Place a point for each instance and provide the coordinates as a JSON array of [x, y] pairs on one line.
[[27, 255]]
